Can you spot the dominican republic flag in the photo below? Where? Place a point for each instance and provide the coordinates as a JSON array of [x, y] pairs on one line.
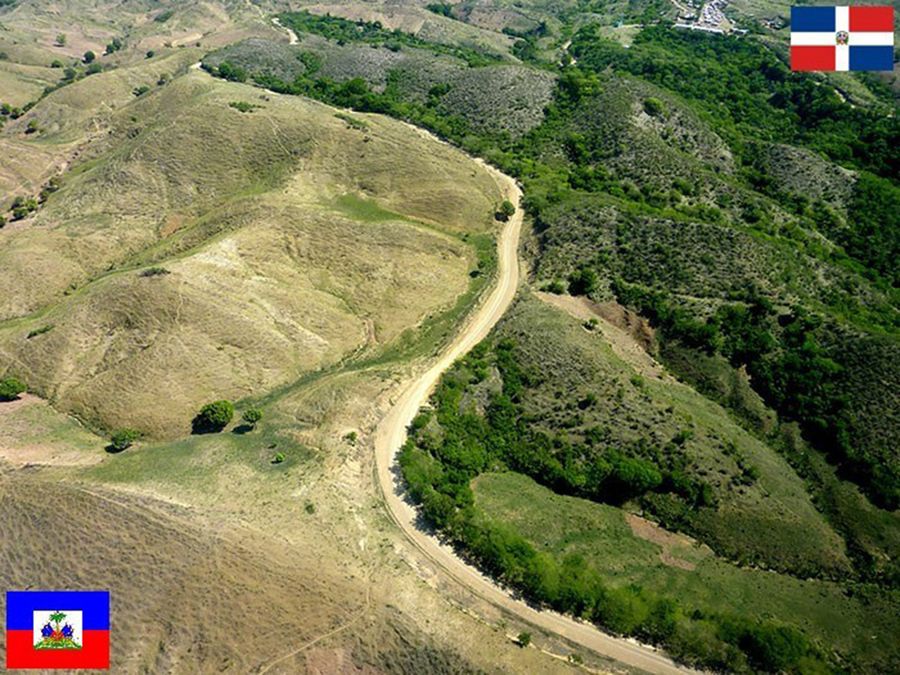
[[57, 629], [842, 38]]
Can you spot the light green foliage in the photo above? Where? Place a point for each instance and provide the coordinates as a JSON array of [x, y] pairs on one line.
[[10, 388], [123, 439]]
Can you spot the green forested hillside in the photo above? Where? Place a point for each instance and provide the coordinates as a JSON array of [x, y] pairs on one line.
[[547, 398]]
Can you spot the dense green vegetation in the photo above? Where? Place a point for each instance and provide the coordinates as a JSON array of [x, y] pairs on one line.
[[371, 32], [748, 91], [453, 445], [10, 388]]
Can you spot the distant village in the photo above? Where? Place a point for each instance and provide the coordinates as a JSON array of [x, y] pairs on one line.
[[710, 17]]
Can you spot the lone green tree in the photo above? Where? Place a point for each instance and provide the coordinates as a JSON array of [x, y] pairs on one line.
[[506, 210], [89, 56], [213, 417], [123, 439], [251, 417], [10, 388]]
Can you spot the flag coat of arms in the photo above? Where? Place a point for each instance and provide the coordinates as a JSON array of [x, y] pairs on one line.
[[57, 629], [842, 38]]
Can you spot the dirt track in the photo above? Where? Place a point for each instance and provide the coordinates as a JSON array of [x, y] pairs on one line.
[[391, 433]]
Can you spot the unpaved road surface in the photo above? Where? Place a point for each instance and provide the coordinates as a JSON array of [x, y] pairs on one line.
[[391, 433]]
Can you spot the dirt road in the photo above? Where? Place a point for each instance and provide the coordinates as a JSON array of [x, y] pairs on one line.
[[391, 433], [292, 36]]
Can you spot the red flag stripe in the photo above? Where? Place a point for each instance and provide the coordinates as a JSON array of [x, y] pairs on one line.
[[879, 19], [812, 58]]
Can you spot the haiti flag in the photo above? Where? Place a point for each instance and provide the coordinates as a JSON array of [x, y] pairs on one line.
[[842, 38], [57, 629]]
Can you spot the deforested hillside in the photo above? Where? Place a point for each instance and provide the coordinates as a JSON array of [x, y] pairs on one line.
[[238, 239]]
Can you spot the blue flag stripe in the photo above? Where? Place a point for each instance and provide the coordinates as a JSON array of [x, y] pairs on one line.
[[812, 19], [872, 58], [20, 606]]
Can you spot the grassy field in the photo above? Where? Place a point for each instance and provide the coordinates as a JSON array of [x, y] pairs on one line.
[[861, 625]]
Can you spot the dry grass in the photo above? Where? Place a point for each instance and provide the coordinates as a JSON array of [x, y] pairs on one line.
[[238, 603], [268, 280]]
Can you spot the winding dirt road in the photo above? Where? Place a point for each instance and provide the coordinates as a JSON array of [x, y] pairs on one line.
[[391, 433]]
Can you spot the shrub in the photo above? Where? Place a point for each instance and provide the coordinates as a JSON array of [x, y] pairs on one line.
[[10, 388], [39, 331], [653, 106], [506, 210], [61, 40], [252, 416], [524, 639], [583, 282], [114, 46], [557, 287], [140, 91], [278, 459], [154, 272], [213, 417], [56, 63], [230, 72], [243, 106], [32, 127], [123, 439], [89, 57]]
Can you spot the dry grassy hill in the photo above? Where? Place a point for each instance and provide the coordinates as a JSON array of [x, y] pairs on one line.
[[204, 252]]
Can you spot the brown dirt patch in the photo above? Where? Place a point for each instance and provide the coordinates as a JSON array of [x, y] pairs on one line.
[[669, 542], [24, 454], [173, 223], [629, 336]]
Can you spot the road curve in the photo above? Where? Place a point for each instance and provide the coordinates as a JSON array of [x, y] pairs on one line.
[[391, 433]]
